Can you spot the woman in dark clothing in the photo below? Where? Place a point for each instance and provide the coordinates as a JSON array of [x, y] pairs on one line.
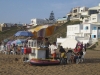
[[46, 44], [62, 55], [61, 50]]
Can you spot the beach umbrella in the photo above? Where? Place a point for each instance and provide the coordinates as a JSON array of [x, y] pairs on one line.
[[9, 42], [18, 41], [24, 33]]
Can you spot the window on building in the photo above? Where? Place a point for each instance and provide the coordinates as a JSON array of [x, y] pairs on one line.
[[94, 36], [86, 28], [94, 28], [98, 28], [93, 18], [75, 11], [32, 21], [86, 20], [92, 12], [81, 10], [75, 16]]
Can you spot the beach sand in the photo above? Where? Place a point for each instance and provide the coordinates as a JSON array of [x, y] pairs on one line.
[[91, 66]]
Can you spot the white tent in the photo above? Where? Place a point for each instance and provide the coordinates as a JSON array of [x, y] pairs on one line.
[[69, 43]]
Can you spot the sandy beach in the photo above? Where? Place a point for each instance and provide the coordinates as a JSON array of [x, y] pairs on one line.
[[91, 66]]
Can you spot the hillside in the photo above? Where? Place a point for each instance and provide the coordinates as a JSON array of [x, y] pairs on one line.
[[61, 30], [10, 33]]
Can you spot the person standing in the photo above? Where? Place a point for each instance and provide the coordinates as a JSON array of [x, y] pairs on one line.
[[62, 55], [84, 46], [53, 49], [46, 44], [14, 48]]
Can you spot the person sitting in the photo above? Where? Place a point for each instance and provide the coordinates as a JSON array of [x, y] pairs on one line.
[[53, 49]]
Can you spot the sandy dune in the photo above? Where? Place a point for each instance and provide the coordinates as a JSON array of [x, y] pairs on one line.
[[91, 66]]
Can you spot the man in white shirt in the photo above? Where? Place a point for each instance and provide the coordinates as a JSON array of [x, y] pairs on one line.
[[53, 49]]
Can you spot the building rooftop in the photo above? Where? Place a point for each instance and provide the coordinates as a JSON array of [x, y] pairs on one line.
[[95, 8], [61, 19]]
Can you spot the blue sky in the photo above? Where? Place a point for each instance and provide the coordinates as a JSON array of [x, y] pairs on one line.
[[15, 11]]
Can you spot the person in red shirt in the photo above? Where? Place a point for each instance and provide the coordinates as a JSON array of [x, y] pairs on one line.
[[78, 49]]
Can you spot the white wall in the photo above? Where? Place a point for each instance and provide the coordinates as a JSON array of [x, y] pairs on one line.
[[84, 13], [83, 9], [86, 30], [69, 43], [72, 30], [60, 40], [84, 41], [86, 20], [98, 18], [38, 21], [76, 8], [93, 18]]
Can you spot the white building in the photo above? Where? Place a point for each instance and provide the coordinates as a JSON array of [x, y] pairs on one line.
[[95, 18], [93, 15], [86, 33], [36, 21], [77, 13], [51, 20], [94, 10]]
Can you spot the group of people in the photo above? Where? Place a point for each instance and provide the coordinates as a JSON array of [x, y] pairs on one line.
[[65, 55], [11, 49]]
